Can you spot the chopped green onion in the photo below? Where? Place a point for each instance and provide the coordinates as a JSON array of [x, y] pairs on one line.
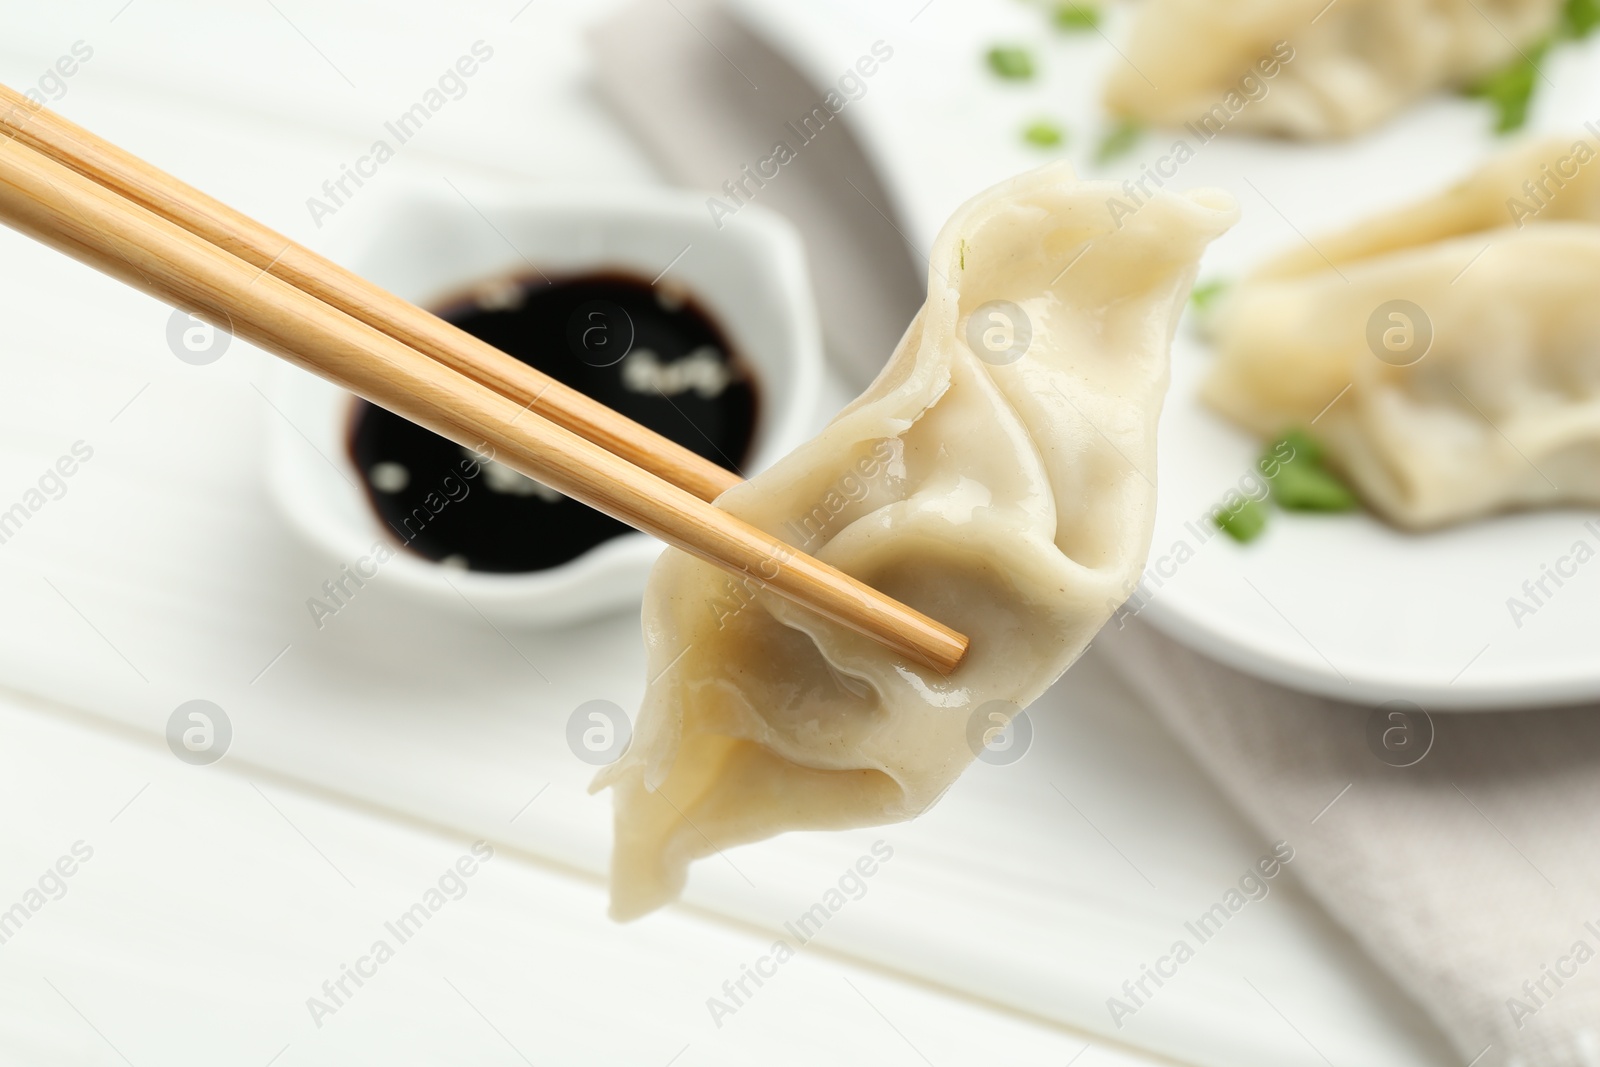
[[1302, 482], [1306, 487], [1579, 18], [1011, 62], [1044, 134], [1509, 90], [1301, 445], [1206, 294], [1119, 141], [1076, 18], [1243, 522]]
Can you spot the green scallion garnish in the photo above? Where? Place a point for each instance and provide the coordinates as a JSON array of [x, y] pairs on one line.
[[1509, 90], [1303, 482], [1206, 294], [1579, 18], [1042, 133], [1011, 62], [1077, 17], [1243, 522]]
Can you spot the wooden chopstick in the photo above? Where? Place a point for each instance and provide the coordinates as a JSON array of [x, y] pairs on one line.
[[216, 223], [62, 208]]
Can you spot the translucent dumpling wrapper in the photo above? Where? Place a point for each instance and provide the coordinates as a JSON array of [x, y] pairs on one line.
[[1010, 496], [1448, 352], [1308, 68]]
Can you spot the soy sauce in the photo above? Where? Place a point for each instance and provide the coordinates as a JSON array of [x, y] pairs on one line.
[[649, 352]]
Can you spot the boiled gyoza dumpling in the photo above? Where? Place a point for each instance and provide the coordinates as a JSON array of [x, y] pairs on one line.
[[1460, 336], [1308, 68], [997, 476]]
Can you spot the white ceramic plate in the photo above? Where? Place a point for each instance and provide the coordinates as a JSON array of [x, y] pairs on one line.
[[1343, 606]]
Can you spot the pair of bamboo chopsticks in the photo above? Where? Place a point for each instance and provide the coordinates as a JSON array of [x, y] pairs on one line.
[[69, 189]]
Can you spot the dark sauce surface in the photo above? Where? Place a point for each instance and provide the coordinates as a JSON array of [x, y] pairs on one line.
[[652, 355]]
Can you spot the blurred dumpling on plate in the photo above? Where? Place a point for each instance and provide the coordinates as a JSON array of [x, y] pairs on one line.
[[1448, 352], [1310, 68], [997, 476]]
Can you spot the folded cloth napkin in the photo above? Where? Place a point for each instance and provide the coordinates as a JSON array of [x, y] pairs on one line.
[[1467, 874]]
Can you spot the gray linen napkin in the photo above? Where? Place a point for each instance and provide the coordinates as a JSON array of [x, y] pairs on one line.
[[1468, 875]]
